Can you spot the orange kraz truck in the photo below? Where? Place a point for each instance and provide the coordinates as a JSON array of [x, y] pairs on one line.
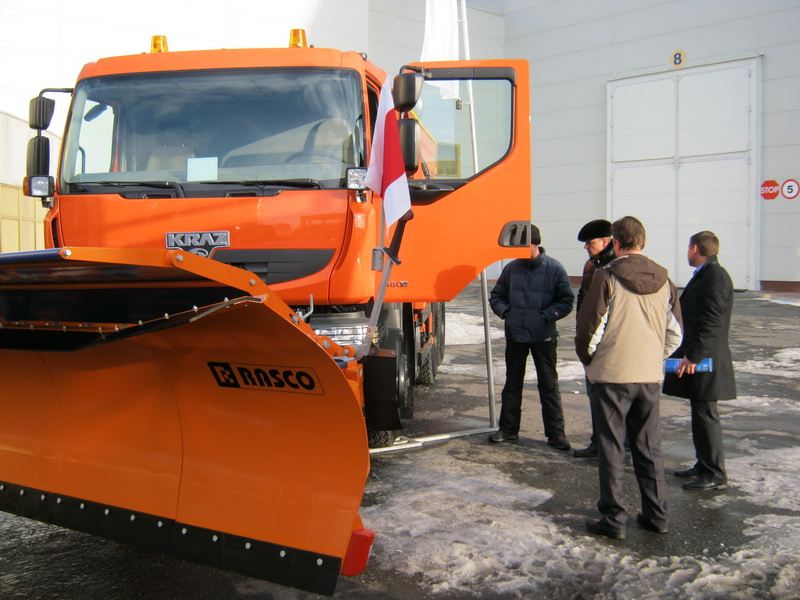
[[190, 365]]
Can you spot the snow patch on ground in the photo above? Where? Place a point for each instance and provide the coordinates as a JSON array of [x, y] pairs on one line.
[[757, 405], [465, 329], [784, 363], [771, 478], [782, 300], [567, 370], [492, 540]]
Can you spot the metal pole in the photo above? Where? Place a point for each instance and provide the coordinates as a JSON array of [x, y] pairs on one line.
[[484, 287], [488, 346]]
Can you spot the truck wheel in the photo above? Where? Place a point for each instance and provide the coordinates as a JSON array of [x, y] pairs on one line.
[[405, 391], [427, 368], [380, 439]]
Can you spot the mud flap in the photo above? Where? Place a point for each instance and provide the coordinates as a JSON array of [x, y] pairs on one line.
[[380, 390], [234, 440]]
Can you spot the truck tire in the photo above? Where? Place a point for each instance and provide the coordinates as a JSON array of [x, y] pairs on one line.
[[380, 439], [429, 364], [427, 368], [405, 391]]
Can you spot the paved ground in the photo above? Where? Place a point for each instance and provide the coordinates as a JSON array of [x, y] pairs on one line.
[[463, 519]]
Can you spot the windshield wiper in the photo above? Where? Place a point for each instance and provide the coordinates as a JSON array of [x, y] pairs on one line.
[[263, 183], [161, 185]]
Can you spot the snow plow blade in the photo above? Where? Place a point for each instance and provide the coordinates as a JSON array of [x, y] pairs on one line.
[[174, 402]]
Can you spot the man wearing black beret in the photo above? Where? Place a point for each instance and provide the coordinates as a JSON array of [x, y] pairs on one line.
[[596, 238]]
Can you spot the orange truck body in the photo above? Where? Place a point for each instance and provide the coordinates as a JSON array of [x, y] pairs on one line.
[[169, 399]]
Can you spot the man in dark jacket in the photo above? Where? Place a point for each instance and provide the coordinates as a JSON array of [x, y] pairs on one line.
[[530, 296], [706, 304], [596, 238]]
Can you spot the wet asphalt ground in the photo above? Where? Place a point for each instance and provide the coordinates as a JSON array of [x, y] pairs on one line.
[[43, 562]]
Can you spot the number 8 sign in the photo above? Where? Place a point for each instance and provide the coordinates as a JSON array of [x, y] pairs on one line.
[[790, 189]]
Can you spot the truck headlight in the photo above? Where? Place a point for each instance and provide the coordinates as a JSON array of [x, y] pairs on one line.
[[344, 335], [355, 178], [38, 186]]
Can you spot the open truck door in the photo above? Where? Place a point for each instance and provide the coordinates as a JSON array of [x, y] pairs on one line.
[[471, 183]]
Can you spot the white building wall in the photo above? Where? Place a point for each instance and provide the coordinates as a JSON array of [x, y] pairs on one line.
[[576, 46]]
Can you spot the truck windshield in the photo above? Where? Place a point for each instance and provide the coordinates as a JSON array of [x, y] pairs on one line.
[[239, 125]]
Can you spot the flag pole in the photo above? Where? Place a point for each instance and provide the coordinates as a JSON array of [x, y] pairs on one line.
[[487, 339]]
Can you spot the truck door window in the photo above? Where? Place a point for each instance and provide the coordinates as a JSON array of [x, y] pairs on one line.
[[446, 146]]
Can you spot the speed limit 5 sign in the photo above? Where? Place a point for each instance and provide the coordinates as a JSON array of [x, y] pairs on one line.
[[790, 189]]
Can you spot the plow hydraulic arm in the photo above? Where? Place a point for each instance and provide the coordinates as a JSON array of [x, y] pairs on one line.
[[174, 402]]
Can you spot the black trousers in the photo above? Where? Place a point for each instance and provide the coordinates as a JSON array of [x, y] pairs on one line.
[[631, 407], [590, 392], [544, 359], [707, 438]]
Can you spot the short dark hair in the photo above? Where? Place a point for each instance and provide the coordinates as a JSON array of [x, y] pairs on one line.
[[629, 233], [707, 243]]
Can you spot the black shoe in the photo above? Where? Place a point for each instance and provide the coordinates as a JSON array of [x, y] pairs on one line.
[[601, 527], [559, 442], [703, 484], [589, 452], [649, 525], [503, 436], [687, 473]]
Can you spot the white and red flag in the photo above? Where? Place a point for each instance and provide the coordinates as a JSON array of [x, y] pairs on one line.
[[386, 174], [441, 40]]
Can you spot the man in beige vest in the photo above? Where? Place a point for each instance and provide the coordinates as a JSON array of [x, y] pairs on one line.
[[629, 322]]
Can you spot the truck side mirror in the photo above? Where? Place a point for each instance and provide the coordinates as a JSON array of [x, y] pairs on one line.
[[406, 90], [408, 130], [40, 112], [38, 183], [38, 156]]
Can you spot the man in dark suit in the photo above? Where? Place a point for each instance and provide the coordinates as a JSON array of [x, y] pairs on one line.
[[706, 305]]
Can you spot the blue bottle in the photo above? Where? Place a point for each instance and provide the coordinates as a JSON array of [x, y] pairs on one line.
[[704, 366]]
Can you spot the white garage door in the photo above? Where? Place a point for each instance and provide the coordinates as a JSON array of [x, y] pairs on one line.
[[683, 158]]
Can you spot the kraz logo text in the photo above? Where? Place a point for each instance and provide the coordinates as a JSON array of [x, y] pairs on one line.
[[202, 243], [267, 378]]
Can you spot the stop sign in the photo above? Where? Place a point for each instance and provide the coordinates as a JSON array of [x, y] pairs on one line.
[[770, 189]]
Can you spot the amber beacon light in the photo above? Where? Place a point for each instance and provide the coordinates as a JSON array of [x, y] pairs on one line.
[[158, 44], [297, 38]]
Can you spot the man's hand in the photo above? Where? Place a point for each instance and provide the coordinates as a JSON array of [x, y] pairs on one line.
[[686, 366]]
